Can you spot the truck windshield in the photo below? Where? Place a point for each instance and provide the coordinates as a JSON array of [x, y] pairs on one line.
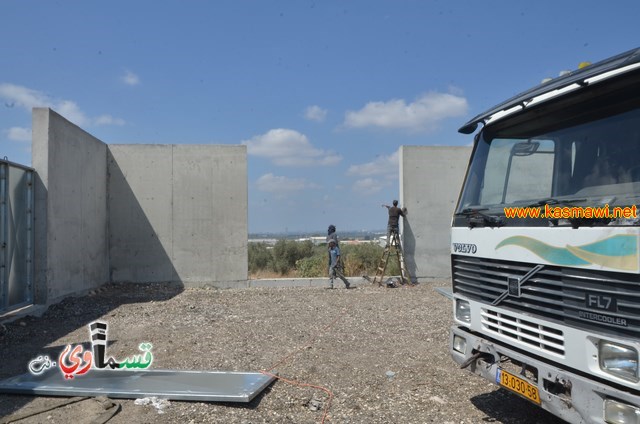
[[591, 160]]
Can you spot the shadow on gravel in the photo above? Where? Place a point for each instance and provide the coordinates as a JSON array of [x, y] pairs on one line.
[[25, 339], [500, 406]]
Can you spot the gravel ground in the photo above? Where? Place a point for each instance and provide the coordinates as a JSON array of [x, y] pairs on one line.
[[381, 353]]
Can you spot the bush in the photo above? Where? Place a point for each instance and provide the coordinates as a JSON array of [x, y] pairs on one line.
[[361, 259], [287, 252], [313, 266], [260, 257]]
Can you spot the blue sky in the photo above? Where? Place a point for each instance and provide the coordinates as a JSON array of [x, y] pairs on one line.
[[323, 93]]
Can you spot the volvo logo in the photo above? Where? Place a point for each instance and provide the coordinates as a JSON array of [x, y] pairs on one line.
[[464, 248], [514, 284]]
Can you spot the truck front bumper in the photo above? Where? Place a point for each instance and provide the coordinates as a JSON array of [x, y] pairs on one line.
[[572, 397]]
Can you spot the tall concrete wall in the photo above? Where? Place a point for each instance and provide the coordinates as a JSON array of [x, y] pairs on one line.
[[178, 213], [141, 213], [71, 250], [430, 181]]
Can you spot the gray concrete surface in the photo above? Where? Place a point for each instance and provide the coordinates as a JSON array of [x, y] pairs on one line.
[[210, 213], [140, 213], [71, 242], [430, 181], [178, 213]]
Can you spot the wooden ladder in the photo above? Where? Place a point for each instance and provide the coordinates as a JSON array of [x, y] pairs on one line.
[[395, 245]]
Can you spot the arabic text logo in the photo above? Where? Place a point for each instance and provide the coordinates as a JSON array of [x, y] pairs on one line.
[[74, 360]]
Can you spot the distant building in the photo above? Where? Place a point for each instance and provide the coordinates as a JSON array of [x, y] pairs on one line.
[[268, 241]]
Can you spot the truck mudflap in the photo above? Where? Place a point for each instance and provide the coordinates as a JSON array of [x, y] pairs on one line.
[[572, 397]]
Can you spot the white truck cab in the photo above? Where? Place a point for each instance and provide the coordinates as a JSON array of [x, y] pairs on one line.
[[545, 250]]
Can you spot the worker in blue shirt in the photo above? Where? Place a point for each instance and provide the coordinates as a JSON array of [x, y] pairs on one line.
[[334, 266]]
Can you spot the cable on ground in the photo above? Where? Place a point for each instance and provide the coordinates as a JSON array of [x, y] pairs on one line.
[[307, 345]]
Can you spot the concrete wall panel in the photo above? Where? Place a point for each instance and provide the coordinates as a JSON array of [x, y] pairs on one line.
[[178, 213], [140, 213], [71, 207], [430, 181], [210, 213]]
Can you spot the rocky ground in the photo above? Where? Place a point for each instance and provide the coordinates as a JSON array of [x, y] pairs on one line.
[[382, 354]]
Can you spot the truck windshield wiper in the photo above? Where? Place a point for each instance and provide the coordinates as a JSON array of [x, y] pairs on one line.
[[554, 201], [477, 218], [469, 211]]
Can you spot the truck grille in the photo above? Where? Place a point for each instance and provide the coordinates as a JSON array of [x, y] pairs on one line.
[[536, 336], [581, 298]]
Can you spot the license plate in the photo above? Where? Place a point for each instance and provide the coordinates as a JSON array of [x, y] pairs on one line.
[[518, 385]]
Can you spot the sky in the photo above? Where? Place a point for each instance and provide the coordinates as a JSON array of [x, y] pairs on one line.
[[322, 93]]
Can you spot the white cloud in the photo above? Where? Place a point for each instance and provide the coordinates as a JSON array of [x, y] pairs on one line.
[[23, 97], [108, 120], [19, 134], [72, 112], [315, 113], [130, 78], [375, 175], [27, 98], [286, 147], [382, 165], [424, 114], [368, 186], [282, 185]]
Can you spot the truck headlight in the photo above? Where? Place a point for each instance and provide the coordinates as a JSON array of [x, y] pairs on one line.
[[463, 311], [618, 360], [620, 413]]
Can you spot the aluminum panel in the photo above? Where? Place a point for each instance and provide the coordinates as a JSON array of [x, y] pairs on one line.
[[203, 386], [446, 292]]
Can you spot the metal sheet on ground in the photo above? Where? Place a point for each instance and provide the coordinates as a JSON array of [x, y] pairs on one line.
[[446, 292], [204, 386]]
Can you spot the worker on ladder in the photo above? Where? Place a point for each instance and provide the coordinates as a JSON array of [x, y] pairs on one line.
[[393, 244], [394, 219]]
